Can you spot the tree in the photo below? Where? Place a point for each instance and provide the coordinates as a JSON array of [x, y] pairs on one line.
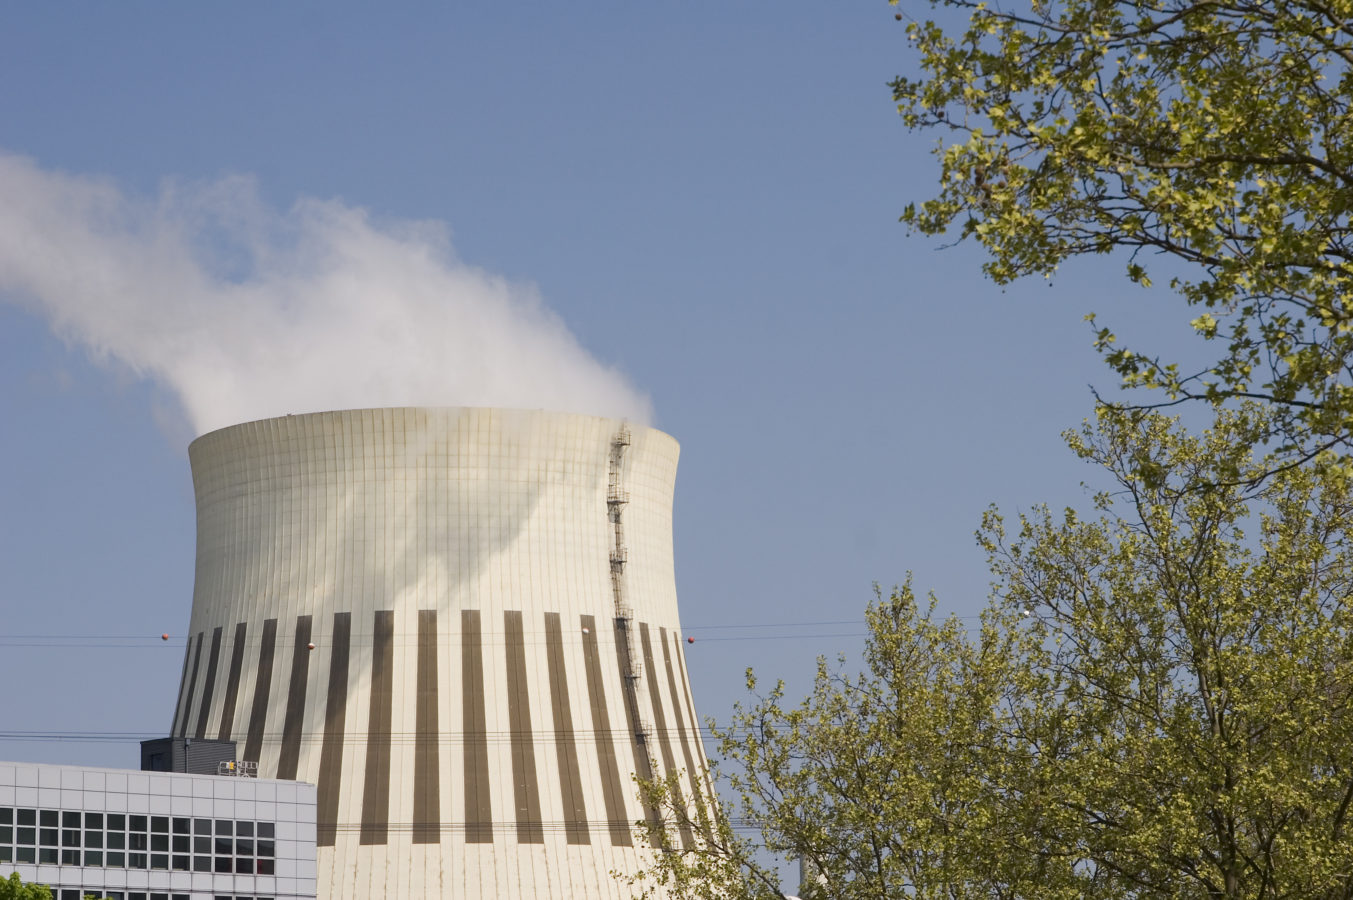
[[13, 888], [1156, 703], [1208, 139]]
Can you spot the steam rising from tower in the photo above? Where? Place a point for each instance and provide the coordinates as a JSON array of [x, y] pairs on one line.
[[242, 311]]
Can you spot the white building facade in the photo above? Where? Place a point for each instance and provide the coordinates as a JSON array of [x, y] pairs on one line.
[[461, 624], [134, 835]]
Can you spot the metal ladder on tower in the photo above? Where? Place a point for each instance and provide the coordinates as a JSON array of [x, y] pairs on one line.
[[616, 499]]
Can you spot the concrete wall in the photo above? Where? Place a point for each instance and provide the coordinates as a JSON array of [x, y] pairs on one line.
[[472, 709]]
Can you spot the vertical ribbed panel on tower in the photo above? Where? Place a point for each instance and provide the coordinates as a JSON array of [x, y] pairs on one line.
[[491, 601]]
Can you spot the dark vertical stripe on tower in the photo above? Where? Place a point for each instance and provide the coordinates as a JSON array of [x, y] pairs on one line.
[[183, 686], [427, 791], [192, 687], [335, 719], [639, 738], [526, 790], [695, 723], [376, 791], [478, 813], [294, 723], [664, 734], [232, 684], [258, 715], [692, 772], [616, 818], [209, 686], [566, 750]]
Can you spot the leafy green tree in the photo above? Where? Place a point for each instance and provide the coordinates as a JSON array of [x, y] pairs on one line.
[[13, 888], [1156, 703], [1209, 141]]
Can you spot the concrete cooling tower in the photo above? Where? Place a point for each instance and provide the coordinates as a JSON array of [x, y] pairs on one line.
[[461, 624]]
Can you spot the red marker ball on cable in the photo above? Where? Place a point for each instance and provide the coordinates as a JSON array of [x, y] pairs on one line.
[[165, 636], [690, 640], [311, 646]]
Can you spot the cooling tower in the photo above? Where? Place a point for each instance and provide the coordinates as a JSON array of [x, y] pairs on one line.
[[461, 624]]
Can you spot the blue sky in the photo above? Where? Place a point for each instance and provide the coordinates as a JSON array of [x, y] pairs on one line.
[[705, 193]]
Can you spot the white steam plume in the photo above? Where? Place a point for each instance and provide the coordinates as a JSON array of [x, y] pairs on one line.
[[244, 312]]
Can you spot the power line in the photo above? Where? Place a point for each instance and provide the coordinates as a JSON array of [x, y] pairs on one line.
[[399, 738], [770, 631]]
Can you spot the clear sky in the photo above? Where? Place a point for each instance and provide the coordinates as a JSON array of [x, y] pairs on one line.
[[705, 193]]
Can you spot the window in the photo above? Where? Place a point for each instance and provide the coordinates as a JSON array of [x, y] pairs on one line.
[[118, 840]]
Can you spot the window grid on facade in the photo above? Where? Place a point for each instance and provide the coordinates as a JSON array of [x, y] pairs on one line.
[[125, 840], [80, 894]]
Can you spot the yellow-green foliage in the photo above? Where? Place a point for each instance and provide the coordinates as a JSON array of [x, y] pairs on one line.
[[1155, 704], [1212, 139], [12, 888]]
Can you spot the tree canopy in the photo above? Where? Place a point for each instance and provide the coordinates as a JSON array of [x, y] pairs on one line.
[[1211, 140], [1158, 699], [1156, 703], [13, 888]]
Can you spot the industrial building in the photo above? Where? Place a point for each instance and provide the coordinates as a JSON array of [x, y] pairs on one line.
[[461, 625], [156, 835]]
